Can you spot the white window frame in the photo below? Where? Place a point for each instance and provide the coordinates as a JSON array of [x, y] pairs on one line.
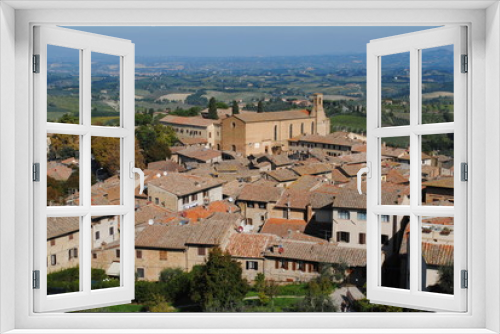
[[85, 44], [482, 316], [413, 44]]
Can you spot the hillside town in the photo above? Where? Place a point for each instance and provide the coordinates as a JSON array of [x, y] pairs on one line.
[[276, 190]]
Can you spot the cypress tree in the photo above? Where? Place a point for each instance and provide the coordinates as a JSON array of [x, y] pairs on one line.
[[260, 107], [236, 109], [212, 109]]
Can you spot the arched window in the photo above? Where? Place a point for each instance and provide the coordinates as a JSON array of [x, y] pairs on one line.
[[233, 124], [275, 132], [302, 128], [312, 128], [233, 148], [291, 130]]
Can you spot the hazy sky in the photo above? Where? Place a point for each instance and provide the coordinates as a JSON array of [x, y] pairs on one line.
[[248, 41]]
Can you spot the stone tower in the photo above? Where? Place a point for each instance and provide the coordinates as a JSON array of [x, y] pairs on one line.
[[322, 126]]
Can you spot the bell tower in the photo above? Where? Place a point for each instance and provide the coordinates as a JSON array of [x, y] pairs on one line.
[[322, 126]]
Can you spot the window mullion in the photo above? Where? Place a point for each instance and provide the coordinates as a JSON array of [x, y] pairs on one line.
[[86, 171], [415, 158]]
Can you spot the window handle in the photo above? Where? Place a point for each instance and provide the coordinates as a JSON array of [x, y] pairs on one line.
[[365, 170], [139, 171]]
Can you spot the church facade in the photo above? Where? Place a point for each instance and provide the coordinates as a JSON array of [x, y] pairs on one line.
[[269, 132]]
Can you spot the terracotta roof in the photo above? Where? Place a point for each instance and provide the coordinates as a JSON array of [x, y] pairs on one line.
[[208, 210], [163, 236], [354, 158], [395, 176], [320, 200], [393, 152], [319, 252], [437, 254], [279, 160], [439, 221], [307, 182], [190, 121], [166, 165], [358, 148], [151, 211], [214, 230], [445, 182], [267, 183], [58, 171], [434, 253], [182, 184], [330, 139], [281, 227], [296, 199], [193, 141], [251, 245], [60, 226], [260, 193], [283, 175], [351, 170], [272, 116], [338, 177], [200, 154], [233, 188], [313, 169]]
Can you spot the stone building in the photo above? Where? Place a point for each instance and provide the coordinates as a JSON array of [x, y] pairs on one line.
[[207, 130], [63, 243], [177, 192], [269, 132]]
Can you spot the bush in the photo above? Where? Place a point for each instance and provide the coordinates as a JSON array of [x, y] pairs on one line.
[[292, 289], [145, 291]]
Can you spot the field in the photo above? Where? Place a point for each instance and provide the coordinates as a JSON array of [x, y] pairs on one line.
[[434, 95], [174, 97], [355, 123]]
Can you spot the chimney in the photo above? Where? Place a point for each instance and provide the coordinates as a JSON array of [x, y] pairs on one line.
[[309, 213]]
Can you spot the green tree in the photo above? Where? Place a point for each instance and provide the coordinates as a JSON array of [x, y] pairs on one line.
[[106, 151], [155, 141], [318, 298], [260, 107], [218, 286], [212, 109], [235, 108]]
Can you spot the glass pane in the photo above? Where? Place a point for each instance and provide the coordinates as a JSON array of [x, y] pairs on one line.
[[395, 171], [437, 254], [395, 92], [105, 252], [105, 89], [63, 173], [63, 85], [63, 256], [437, 84], [105, 171], [437, 169], [395, 250]]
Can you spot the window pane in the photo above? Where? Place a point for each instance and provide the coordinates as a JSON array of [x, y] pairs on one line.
[[395, 171], [437, 84], [63, 173], [63, 85], [437, 254], [395, 93], [105, 89], [437, 169], [395, 246], [105, 171], [63, 256], [105, 252]]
